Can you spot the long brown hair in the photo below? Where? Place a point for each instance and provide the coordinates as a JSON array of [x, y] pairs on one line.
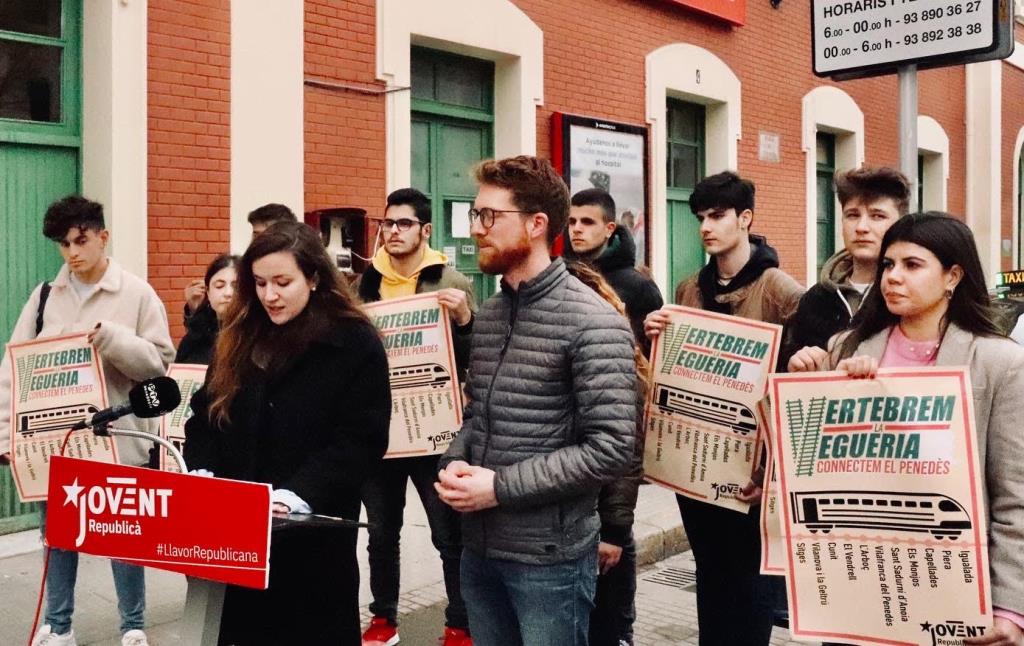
[[595, 281], [247, 327], [953, 244]]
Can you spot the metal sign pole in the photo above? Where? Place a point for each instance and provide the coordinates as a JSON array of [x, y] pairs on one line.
[[908, 129]]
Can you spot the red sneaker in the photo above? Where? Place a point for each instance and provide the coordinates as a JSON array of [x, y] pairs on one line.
[[380, 633], [456, 637]]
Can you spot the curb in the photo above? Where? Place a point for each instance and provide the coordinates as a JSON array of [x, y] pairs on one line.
[[20, 543], [659, 536]]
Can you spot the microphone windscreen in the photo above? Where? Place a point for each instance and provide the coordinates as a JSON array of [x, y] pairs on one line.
[[154, 397]]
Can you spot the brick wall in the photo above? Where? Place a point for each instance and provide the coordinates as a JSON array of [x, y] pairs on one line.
[[594, 65], [344, 128], [189, 149], [596, 68]]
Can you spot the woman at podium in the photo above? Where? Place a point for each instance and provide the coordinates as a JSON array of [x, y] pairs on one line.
[[296, 396]]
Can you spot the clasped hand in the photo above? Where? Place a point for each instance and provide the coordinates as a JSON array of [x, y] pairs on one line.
[[466, 488]]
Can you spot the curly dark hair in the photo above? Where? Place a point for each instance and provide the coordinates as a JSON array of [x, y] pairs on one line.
[[72, 212]]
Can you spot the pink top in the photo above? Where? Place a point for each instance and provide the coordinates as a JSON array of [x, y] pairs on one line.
[[901, 352]]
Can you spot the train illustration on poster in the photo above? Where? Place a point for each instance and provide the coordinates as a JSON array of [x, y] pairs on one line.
[[418, 375], [56, 418], [823, 511], [732, 415]]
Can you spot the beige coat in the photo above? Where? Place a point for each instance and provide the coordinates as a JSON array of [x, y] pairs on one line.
[[133, 342], [772, 298], [997, 376]]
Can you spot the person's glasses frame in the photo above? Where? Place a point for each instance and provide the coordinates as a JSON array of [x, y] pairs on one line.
[[403, 224], [486, 215]]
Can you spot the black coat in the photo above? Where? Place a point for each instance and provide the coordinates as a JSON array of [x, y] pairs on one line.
[[639, 293], [820, 315], [199, 341], [317, 429]]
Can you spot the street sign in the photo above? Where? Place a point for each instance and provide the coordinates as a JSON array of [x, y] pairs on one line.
[[1014, 280], [858, 38]]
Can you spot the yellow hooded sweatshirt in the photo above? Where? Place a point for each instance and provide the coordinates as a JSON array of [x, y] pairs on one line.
[[395, 285]]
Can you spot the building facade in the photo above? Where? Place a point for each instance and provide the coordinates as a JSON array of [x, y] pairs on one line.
[[183, 115]]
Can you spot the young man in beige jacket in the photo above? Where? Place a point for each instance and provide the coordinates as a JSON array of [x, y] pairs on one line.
[[128, 325]]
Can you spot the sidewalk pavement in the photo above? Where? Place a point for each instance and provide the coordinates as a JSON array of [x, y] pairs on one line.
[[665, 601]]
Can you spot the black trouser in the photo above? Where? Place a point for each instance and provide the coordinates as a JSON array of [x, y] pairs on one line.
[[734, 603], [614, 604], [313, 595], [384, 498]]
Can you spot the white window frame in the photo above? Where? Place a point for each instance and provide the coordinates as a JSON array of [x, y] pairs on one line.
[[828, 109], [693, 74]]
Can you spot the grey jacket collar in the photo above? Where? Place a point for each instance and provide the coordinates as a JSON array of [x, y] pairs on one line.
[[538, 287]]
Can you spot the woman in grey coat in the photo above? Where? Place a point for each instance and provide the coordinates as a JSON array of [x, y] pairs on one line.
[[933, 309]]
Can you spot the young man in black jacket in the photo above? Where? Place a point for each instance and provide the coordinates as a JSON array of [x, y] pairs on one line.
[[592, 236], [872, 199]]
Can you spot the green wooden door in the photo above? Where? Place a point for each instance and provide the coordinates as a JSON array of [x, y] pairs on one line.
[[452, 131], [685, 168], [826, 204], [40, 139]]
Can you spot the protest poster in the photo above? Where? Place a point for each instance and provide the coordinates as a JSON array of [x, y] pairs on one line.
[[772, 546], [190, 378], [426, 396], [881, 507], [55, 383], [710, 370]]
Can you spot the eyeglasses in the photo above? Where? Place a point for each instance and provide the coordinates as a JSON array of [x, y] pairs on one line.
[[486, 215], [403, 224]]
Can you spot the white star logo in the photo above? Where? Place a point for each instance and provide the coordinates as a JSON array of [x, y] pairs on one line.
[[72, 490]]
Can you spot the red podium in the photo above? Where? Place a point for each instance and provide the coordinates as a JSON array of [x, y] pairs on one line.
[[212, 530]]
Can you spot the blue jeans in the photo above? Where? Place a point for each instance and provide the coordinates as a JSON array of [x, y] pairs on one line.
[[514, 604], [129, 582]]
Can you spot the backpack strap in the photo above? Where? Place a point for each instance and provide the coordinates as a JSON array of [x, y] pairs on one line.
[[44, 293]]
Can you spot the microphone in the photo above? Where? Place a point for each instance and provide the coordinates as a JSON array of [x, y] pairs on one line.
[[150, 398]]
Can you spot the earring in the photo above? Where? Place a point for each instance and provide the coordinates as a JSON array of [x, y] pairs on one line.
[[949, 293]]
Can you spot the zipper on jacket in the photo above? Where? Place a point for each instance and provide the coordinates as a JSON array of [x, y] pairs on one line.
[[513, 313]]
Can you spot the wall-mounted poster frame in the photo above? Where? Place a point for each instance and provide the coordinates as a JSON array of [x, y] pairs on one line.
[[591, 152]]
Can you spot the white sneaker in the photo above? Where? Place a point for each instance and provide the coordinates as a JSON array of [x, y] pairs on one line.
[[46, 638], [134, 638]]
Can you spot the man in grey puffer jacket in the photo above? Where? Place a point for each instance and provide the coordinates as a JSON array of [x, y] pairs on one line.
[[552, 390]]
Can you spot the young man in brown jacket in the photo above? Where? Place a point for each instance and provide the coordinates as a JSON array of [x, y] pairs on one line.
[[743, 279]]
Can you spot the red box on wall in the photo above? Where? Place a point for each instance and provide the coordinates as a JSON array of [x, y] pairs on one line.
[[734, 11]]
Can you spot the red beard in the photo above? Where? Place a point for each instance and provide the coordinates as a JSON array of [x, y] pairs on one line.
[[498, 261]]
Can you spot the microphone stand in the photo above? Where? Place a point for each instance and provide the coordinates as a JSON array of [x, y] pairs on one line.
[[103, 430]]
